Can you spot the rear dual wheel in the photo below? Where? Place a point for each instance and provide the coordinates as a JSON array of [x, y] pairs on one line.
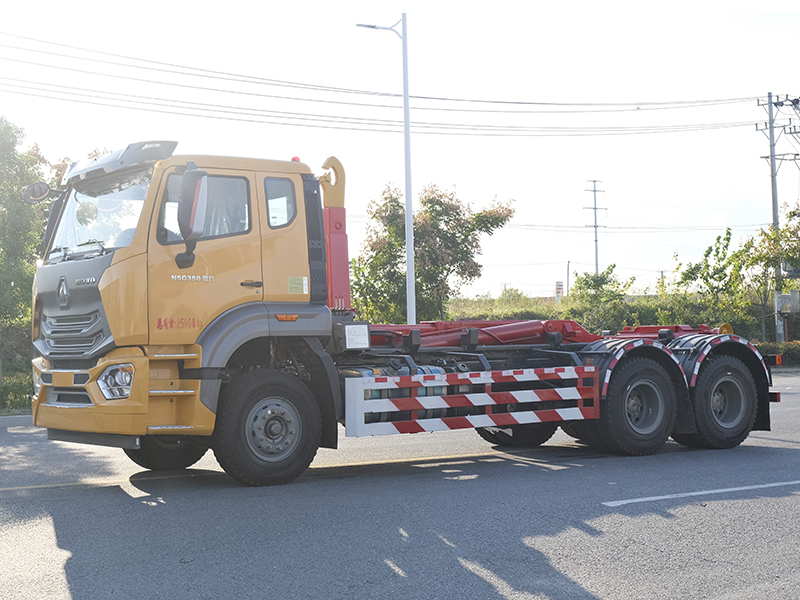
[[638, 413], [724, 404], [636, 417]]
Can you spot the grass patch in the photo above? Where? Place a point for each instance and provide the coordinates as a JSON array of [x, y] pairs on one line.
[[15, 394]]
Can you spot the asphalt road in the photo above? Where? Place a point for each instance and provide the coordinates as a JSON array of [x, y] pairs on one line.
[[442, 515]]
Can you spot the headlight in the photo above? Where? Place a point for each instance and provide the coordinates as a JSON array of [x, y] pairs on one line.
[[37, 383], [115, 382]]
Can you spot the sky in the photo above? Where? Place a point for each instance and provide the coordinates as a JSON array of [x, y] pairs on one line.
[[513, 102]]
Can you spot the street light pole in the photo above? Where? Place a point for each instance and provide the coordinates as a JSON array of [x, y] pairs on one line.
[[411, 293]]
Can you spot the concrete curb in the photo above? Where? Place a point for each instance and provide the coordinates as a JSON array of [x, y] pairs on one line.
[[789, 369]]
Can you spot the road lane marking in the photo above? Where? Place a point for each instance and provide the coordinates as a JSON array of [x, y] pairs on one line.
[[615, 503], [439, 461], [391, 564]]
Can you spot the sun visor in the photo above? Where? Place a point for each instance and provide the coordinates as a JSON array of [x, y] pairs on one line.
[[137, 153]]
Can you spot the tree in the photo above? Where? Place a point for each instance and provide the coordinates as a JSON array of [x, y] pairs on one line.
[[446, 244], [598, 301], [720, 279], [21, 228], [763, 254]]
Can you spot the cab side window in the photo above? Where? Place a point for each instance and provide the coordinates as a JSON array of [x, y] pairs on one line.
[[227, 212], [281, 206]]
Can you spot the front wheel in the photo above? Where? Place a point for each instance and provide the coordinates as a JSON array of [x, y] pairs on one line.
[[166, 452], [268, 428], [640, 409]]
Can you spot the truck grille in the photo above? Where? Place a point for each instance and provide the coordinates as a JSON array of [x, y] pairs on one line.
[[68, 397], [71, 336], [73, 333], [69, 325]]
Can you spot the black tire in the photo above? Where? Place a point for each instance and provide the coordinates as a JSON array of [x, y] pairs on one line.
[[488, 435], [570, 429], [640, 409], [686, 439], [166, 452], [530, 435], [725, 403], [589, 432], [268, 428]]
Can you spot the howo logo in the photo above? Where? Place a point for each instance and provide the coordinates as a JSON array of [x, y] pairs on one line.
[[86, 281], [62, 292]]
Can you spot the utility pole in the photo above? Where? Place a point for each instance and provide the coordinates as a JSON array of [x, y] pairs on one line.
[[775, 160], [567, 290], [773, 174], [594, 190], [773, 171]]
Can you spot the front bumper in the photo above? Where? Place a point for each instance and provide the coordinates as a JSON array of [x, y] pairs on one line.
[[159, 402]]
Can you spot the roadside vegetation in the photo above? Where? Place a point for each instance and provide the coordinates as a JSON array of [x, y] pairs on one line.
[[734, 285]]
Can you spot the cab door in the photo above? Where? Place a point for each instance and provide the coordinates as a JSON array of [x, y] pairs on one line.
[[227, 259], [284, 237]]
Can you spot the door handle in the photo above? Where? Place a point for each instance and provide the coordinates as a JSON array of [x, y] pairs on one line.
[[256, 284]]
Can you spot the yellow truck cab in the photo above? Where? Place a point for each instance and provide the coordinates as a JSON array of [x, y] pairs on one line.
[[133, 331]]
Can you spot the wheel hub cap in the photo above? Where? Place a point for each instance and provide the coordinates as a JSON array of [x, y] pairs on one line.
[[272, 428], [728, 402], [644, 407]]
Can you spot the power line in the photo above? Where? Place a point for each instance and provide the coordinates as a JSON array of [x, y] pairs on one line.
[[209, 73], [294, 118], [168, 103], [386, 125], [541, 131], [626, 229]]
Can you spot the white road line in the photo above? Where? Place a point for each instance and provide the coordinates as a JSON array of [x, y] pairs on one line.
[[616, 503]]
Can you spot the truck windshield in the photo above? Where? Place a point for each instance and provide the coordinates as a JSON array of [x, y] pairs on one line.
[[100, 214]]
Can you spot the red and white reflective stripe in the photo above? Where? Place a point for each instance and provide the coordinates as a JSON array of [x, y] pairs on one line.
[[697, 368], [491, 399], [635, 344], [416, 381], [359, 403], [727, 338], [472, 421]]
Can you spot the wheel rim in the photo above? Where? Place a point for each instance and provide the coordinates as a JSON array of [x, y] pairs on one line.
[[273, 428], [728, 402], [644, 406]]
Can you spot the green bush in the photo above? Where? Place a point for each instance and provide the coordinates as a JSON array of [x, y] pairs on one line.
[[15, 393], [597, 313], [512, 305], [789, 351]]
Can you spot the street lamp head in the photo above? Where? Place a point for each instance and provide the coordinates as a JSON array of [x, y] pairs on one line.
[[369, 26]]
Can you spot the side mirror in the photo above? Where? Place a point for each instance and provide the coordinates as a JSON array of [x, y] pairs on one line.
[[192, 202], [36, 192]]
